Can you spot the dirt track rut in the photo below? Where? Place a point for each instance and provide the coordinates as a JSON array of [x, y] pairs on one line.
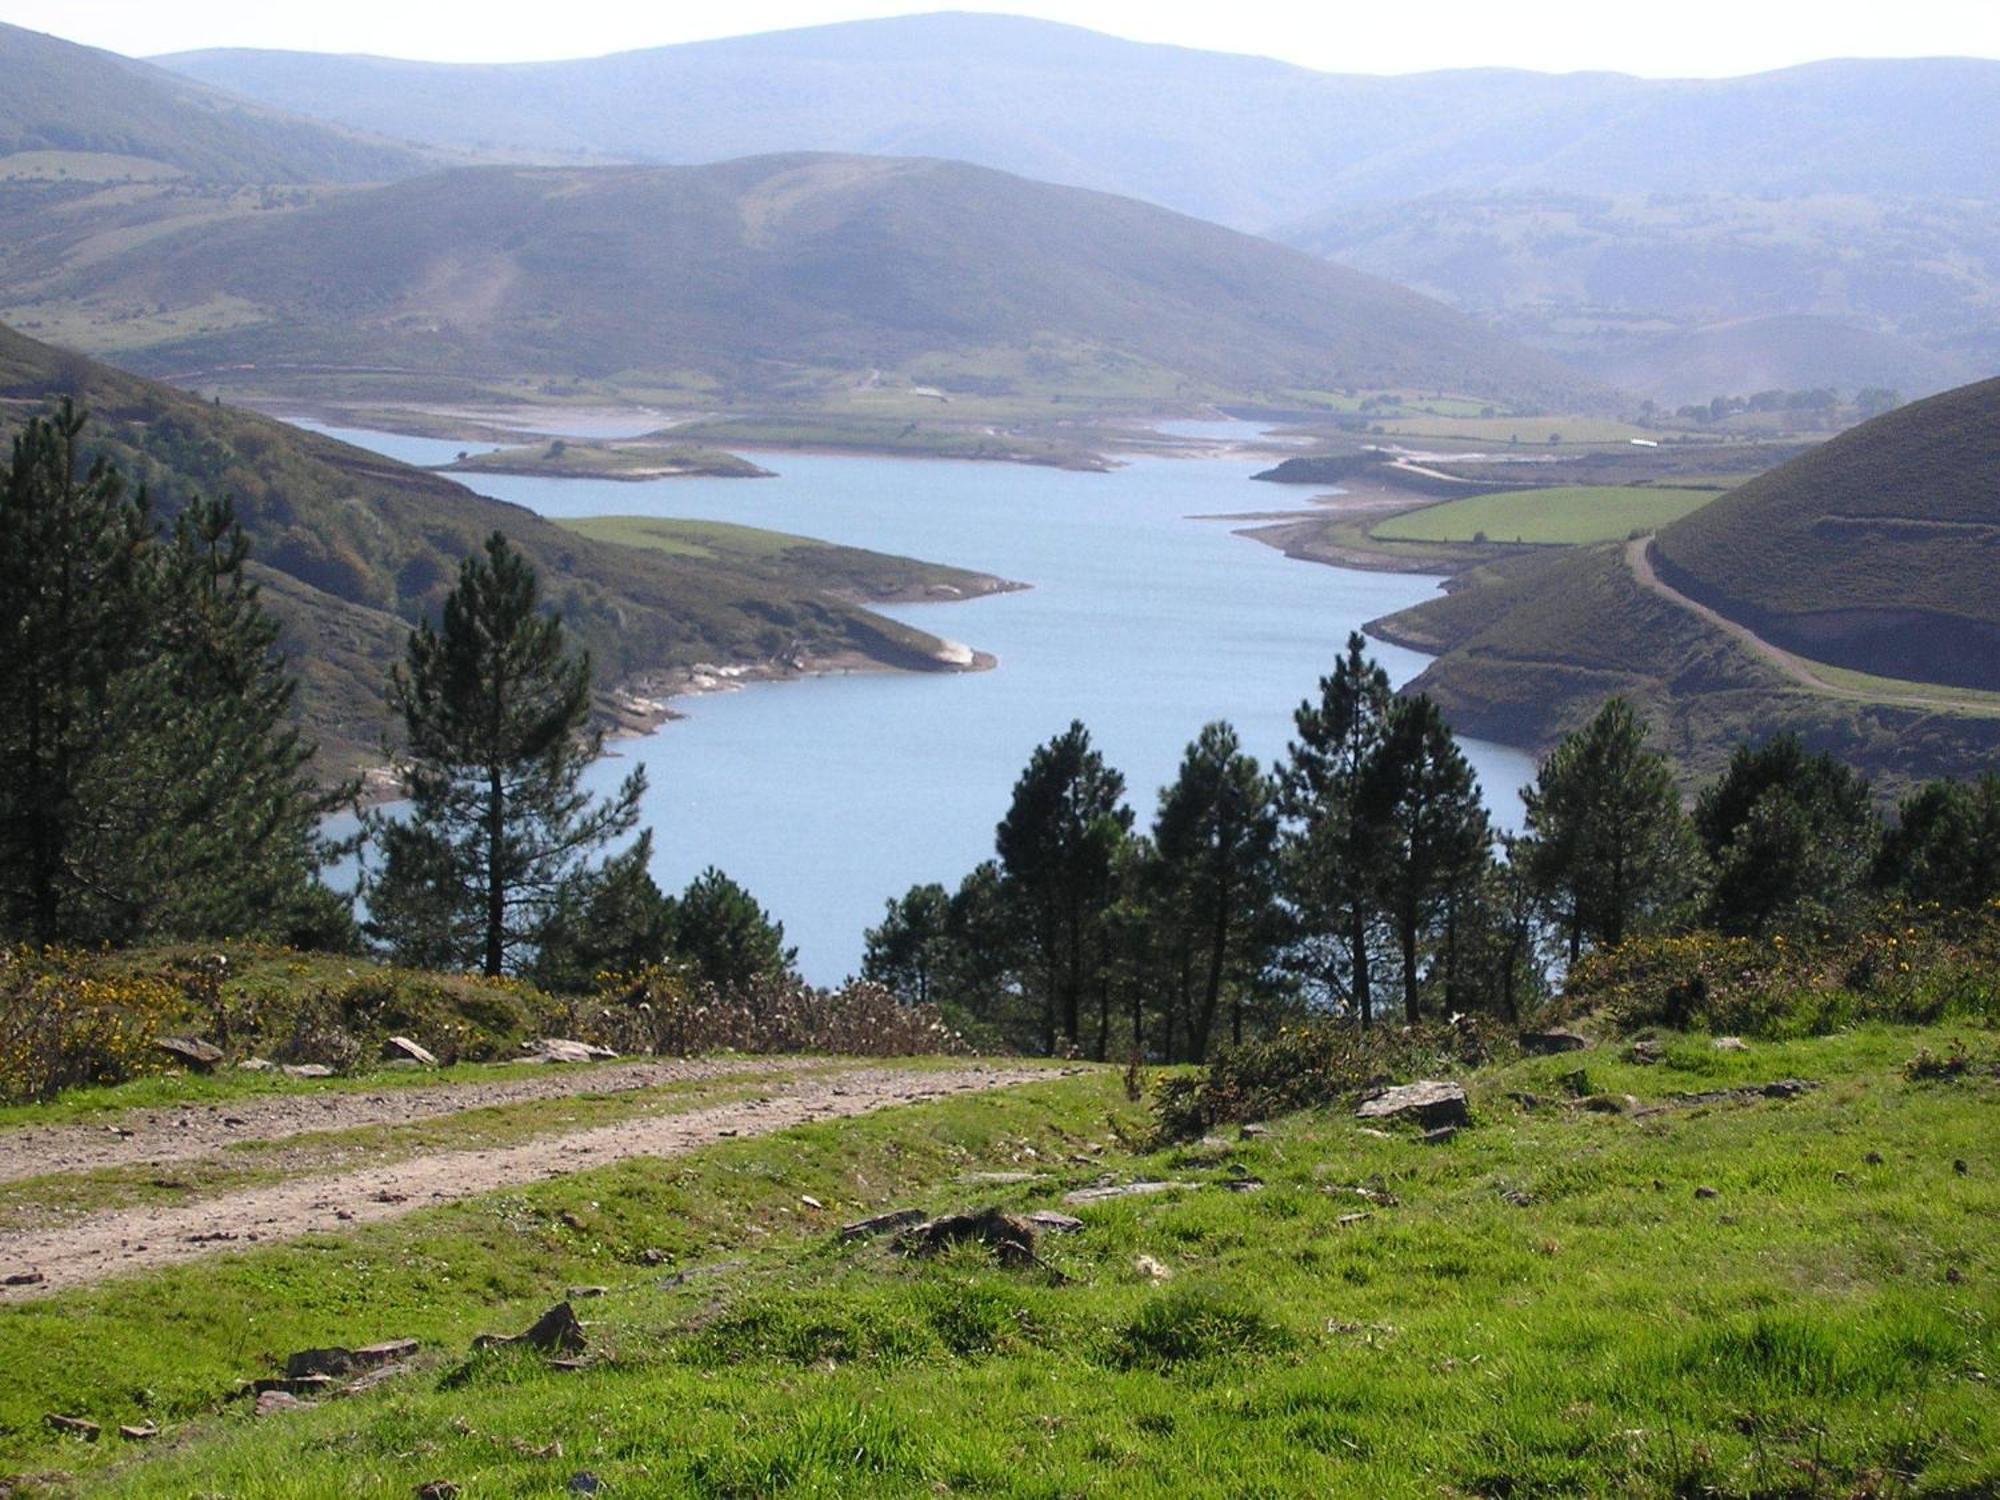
[[122, 1240]]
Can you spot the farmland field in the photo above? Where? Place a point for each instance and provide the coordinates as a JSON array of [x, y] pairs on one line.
[[1567, 516]]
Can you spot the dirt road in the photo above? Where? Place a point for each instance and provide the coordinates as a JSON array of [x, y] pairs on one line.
[[120, 1240], [1638, 556]]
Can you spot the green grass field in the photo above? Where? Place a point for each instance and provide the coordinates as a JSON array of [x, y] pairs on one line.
[[1567, 516], [1544, 1306]]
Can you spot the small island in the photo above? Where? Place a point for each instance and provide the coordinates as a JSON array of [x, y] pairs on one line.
[[637, 459]]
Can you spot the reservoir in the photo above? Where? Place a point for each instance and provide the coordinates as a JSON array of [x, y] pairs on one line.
[[825, 797]]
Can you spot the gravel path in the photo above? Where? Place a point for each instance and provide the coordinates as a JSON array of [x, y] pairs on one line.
[[131, 1239], [192, 1131]]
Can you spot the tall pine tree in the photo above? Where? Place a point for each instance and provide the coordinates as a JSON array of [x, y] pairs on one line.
[[1608, 847], [495, 712], [1336, 837]]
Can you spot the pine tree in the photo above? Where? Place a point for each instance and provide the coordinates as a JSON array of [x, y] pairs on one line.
[[1945, 846], [1215, 851], [1608, 847], [905, 952], [495, 713], [151, 780], [726, 937], [1439, 841], [1335, 833], [1058, 845], [609, 920], [1791, 836]]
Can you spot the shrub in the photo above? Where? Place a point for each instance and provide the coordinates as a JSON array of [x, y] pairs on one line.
[[1917, 965], [1305, 1067], [63, 1023]]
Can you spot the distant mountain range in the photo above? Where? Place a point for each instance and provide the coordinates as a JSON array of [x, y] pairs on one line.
[[59, 99], [776, 277], [1240, 140], [1605, 217]]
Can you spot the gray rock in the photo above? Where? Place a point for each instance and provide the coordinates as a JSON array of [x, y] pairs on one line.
[[1123, 1190], [269, 1402], [1705, 1191], [1251, 1132], [1730, 1044], [197, 1054], [143, 1432], [1439, 1136], [1646, 1051], [1547, 1043], [555, 1049], [901, 1218], [402, 1047], [257, 1065], [1051, 1222], [308, 1070], [557, 1331], [80, 1427], [1430, 1103]]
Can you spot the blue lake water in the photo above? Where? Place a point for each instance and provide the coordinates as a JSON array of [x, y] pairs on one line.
[[827, 796]]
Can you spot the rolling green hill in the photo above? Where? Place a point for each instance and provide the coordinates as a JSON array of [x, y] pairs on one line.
[[1878, 551], [1871, 554], [795, 277], [352, 548], [57, 97]]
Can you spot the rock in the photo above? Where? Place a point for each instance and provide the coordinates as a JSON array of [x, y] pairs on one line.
[[23, 1278], [1873, 1158], [901, 1218], [1610, 1104], [999, 1179], [1251, 1132], [1346, 1221], [807, 1200], [555, 1049], [1730, 1044], [329, 1362], [79, 1427], [269, 1402], [437, 1489], [1010, 1237], [1439, 1136], [308, 1070], [556, 1331], [404, 1047], [257, 1065], [1705, 1191], [1123, 1190], [652, 1255], [1152, 1269], [1244, 1185], [1646, 1051], [585, 1483], [1048, 1220], [1786, 1088], [1430, 1103], [1519, 1198], [1548, 1043], [585, 1293], [388, 1352], [197, 1054], [143, 1433]]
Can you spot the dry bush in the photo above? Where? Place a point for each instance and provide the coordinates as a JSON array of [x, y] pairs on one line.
[[661, 1010]]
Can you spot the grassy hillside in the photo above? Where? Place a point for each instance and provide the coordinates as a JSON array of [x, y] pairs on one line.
[[1736, 1295], [1877, 551], [59, 97], [795, 278], [1529, 648], [354, 547]]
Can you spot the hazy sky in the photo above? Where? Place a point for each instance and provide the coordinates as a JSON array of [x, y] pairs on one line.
[[1666, 38]]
